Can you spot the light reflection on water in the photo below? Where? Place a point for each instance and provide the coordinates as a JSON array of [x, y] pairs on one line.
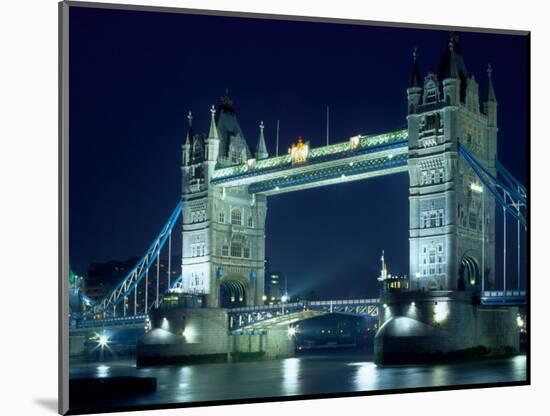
[[103, 371], [305, 374], [291, 376], [366, 376]]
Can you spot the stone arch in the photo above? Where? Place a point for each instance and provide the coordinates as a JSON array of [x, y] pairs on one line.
[[469, 270], [233, 292]]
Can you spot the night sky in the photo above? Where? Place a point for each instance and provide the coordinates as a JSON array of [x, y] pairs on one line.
[[135, 75]]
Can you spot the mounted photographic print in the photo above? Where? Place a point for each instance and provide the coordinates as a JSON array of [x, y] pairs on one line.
[[263, 208]]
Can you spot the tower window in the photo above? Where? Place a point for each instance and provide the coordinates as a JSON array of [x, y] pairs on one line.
[[221, 217], [236, 249], [236, 216], [225, 250], [250, 222], [246, 252]]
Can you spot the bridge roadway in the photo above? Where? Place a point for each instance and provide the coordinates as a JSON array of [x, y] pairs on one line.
[[251, 318]]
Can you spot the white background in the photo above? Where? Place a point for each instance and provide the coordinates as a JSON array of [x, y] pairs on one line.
[[28, 205]]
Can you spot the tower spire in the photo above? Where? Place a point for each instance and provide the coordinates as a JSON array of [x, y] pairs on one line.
[[490, 89], [261, 149], [415, 73], [189, 129], [383, 270], [213, 132]]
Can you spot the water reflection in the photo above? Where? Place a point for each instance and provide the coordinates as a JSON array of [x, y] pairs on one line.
[[440, 376], [366, 376], [103, 371], [309, 374], [291, 376]]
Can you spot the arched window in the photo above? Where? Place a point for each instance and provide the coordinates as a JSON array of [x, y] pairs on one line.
[[433, 219], [236, 249], [197, 149], [236, 216], [250, 222]]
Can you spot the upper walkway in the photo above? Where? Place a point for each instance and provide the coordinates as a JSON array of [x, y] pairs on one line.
[[358, 158]]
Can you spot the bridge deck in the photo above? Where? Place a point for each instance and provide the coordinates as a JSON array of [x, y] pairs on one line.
[[263, 316]]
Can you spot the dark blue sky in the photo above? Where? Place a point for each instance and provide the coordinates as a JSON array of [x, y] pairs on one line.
[[135, 75]]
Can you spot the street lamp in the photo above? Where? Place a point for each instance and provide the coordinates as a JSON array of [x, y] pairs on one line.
[[284, 299], [478, 188]]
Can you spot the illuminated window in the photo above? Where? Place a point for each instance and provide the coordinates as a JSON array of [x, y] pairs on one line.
[[236, 216]]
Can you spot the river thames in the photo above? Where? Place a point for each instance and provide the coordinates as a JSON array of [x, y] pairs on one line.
[[312, 373]]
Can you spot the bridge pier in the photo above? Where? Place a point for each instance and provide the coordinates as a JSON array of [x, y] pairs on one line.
[[187, 335], [442, 325]]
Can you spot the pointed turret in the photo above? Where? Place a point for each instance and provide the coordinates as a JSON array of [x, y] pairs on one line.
[[414, 91], [188, 138], [490, 102], [213, 139], [212, 144], [490, 96], [416, 77], [452, 71], [261, 149], [213, 132]]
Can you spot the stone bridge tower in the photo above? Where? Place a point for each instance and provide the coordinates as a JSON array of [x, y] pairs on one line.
[[451, 225], [223, 254], [447, 202]]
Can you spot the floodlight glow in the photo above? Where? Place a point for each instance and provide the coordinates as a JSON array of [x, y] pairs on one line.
[[441, 311], [354, 142], [103, 341], [520, 322], [385, 305], [475, 187], [190, 334], [291, 331], [284, 298]]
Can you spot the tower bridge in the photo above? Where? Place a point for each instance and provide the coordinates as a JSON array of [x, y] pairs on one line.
[[449, 150]]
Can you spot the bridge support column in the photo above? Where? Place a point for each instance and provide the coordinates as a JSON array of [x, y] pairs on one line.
[[442, 325], [186, 335]]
